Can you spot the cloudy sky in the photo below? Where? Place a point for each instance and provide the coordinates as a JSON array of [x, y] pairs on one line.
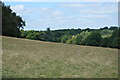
[[64, 15]]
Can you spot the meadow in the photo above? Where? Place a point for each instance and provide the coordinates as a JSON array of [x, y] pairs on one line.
[[23, 58]]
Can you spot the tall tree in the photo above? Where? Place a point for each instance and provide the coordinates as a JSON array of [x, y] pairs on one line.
[[48, 35], [11, 23]]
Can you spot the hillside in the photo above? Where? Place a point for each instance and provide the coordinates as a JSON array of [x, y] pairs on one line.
[[36, 59]]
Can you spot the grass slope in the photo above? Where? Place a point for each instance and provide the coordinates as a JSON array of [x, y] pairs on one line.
[[24, 58]]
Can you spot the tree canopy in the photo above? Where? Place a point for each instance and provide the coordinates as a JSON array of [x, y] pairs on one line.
[[11, 23], [93, 39], [107, 37]]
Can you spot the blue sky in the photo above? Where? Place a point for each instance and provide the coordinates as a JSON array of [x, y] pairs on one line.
[[64, 15]]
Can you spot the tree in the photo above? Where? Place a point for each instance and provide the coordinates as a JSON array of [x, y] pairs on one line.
[[105, 42], [71, 40], [113, 28], [106, 33], [65, 38], [88, 29], [79, 39], [115, 39], [48, 35], [93, 39], [42, 35], [56, 36], [48, 30], [82, 36], [23, 34], [105, 27], [11, 23], [31, 34]]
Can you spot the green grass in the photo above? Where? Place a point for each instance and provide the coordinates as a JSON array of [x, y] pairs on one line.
[[24, 58]]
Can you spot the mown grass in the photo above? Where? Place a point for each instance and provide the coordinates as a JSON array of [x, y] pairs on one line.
[[24, 58]]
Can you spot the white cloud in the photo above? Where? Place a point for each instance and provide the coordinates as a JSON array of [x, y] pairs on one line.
[[58, 17], [43, 9], [73, 5], [22, 10], [98, 11], [17, 8], [94, 16], [57, 13], [100, 8]]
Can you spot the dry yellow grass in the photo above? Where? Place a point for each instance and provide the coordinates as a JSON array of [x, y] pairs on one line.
[[24, 58]]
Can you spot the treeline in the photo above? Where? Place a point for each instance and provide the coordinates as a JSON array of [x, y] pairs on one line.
[[104, 37]]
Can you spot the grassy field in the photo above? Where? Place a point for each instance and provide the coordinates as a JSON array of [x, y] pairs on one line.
[[24, 58]]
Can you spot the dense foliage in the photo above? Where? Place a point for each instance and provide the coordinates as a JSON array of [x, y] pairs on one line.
[[94, 39], [104, 37], [11, 23]]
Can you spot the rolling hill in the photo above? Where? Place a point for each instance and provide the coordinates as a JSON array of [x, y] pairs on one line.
[[24, 58]]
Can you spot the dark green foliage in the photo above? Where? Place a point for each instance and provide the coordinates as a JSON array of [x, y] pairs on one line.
[[115, 39], [88, 29], [105, 42], [31, 35], [23, 34], [56, 36], [112, 41], [48, 35], [93, 39], [65, 38], [11, 23], [113, 28], [105, 27], [71, 40], [78, 39]]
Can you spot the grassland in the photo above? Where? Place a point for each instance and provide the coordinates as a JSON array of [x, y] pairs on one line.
[[24, 58]]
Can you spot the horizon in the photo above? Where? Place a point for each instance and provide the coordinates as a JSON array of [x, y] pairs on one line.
[[68, 28], [66, 15]]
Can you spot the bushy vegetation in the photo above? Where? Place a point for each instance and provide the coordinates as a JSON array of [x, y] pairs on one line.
[[105, 37], [94, 39]]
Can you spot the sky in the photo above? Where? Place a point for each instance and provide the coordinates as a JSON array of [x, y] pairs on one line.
[[66, 15]]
